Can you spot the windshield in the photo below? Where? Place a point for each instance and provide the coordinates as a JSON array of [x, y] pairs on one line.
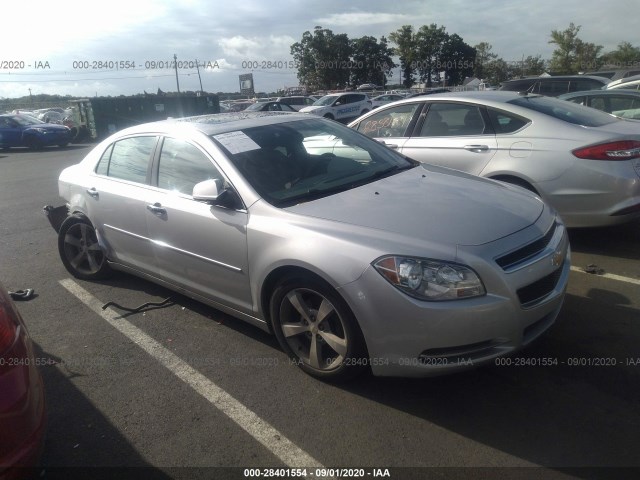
[[301, 160], [566, 111], [26, 120], [256, 106], [325, 101]]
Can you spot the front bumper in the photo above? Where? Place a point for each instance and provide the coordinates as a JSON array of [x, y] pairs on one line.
[[56, 215], [412, 338]]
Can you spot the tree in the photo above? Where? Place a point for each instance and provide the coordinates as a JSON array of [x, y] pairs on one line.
[[625, 56], [405, 41], [572, 55], [457, 59], [526, 67], [371, 61], [484, 58], [430, 41], [323, 59]]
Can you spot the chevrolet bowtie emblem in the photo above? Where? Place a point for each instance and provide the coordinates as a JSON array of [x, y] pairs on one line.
[[557, 258]]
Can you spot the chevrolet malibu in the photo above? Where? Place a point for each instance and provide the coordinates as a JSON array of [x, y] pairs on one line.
[[351, 254]]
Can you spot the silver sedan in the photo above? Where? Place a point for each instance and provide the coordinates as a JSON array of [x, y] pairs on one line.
[[584, 162], [352, 255]]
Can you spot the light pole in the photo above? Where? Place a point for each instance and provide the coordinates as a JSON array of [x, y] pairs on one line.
[[175, 64]]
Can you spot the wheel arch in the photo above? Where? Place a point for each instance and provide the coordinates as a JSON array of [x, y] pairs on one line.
[[515, 180], [279, 273]]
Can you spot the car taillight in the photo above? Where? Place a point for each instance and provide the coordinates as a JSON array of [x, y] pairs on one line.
[[621, 150], [8, 327]]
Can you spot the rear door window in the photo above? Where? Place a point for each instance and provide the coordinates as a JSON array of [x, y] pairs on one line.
[[453, 119], [128, 159]]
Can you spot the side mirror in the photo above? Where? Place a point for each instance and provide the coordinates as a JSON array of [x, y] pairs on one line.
[[211, 192], [207, 191]]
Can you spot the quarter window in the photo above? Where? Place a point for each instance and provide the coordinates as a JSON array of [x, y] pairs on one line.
[[504, 122], [182, 166], [128, 159]]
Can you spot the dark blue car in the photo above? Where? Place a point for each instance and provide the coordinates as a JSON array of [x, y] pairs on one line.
[[26, 131]]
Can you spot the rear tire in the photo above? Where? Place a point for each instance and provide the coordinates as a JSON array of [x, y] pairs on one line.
[[80, 251], [316, 328]]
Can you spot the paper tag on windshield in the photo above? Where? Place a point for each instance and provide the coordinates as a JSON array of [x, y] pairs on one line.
[[236, 142]]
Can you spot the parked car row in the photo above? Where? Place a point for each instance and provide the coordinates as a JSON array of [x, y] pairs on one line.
[[23, 130]]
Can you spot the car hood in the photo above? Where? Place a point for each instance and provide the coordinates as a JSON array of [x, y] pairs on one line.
[[432, 204]]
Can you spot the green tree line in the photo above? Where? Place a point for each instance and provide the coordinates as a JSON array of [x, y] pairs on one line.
[[431, 56]]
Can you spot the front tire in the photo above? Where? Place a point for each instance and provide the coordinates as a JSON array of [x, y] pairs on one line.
[[33, 143], [80, 251], [316, 328]]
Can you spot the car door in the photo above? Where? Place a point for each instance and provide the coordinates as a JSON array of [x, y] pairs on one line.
[[10, 132], [351, 105], [116, 198], [391, 125], [452, 134], [198, 246]]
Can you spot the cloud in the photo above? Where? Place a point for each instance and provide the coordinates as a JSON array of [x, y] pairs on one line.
[[257, 48], [363, 18]]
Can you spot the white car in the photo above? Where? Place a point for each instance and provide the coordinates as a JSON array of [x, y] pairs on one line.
[[340, 106], [297, 102], [384, 99], [628, 83]]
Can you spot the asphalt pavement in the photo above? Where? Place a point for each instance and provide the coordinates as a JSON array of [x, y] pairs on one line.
[[185, 391]]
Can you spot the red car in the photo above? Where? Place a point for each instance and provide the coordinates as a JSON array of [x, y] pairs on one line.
[[22, 403]]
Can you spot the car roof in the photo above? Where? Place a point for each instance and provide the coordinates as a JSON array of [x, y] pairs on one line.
[[497, 96], [601, 93], [214, 124], [625, 81], [560, 77]]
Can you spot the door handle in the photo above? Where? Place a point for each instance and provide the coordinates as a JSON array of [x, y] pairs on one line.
[[92, 192], [390, 145], [476, 148], [157, 209]]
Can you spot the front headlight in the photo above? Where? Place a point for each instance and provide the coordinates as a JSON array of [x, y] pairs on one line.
[[430, 279]]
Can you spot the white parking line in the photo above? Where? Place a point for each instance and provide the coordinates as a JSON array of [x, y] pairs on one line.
[[262, 431], [610, 276]]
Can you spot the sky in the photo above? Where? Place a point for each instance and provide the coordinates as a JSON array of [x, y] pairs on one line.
[[86, 48]]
